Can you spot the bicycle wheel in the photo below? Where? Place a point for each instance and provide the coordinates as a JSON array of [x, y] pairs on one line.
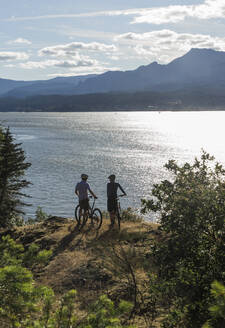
[[83, 217], [80, 217], [97, 218], [76, 213]]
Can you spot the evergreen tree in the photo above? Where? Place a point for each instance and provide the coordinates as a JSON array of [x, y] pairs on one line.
[[12, 168]]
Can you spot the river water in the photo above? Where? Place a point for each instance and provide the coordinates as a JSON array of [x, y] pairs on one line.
[[132, 145]]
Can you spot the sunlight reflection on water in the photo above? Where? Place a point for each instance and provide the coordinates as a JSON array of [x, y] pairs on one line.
[[132, 145]]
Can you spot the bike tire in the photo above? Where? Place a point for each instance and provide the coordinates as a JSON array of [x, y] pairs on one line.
[[97, 218], [81, 221], [76, 213]]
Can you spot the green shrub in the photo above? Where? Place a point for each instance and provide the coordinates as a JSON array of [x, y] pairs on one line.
[[104, 314], [217, 309], [130, 215], [191, 251]]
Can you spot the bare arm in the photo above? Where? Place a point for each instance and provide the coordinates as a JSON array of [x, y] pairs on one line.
[[76, 191], [122, 190], [93, 194]]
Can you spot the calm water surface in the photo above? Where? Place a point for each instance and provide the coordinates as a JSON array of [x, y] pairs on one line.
[[132, 145]]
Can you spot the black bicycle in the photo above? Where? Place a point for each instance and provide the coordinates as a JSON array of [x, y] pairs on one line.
[[94, 214], [118, 210]]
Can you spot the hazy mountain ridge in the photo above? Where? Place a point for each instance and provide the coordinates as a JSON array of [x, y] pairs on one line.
[[58, 85], [197, 68], [193, 81]]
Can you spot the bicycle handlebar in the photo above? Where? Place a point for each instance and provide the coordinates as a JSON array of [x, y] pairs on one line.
[[121, 196]]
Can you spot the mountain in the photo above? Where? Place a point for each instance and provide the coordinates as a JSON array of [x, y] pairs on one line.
[[58, 85], [7, 85], [199, 67]]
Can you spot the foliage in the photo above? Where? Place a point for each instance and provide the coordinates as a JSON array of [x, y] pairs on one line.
[[12, 168], [18, 294], [131, 216], [23, 304], [191, 255], [40, 216], [206, 98], [126, 265], [104, 314], [217, 310]]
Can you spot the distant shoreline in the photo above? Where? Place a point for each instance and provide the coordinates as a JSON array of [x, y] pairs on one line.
[[117, 110]]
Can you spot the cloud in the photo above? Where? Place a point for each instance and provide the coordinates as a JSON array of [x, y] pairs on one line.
[[98, 69], [79, 62], [8, 55], [147, 36], [20, 41], [208, 9], [172, 38], [71, 49], [165, 45], [81, 15]]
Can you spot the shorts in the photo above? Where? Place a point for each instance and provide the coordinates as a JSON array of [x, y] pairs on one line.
[[84, 204], [111, 205]]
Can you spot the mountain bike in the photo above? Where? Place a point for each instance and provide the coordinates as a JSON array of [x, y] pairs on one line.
[[94, 214]]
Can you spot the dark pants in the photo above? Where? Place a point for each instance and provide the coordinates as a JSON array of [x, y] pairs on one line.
[[111, 205], [84, 204]]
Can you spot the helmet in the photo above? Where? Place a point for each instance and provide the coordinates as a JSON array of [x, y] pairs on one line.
[[112, 177], [84, 176]]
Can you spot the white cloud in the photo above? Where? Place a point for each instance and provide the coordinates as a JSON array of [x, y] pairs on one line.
[[98, 69], [9, 55], [79, 62], [169, 37], [208, 9], [20, 41], [165, 45], [147, 36], [172, 14], [71, 49], [10, 65]]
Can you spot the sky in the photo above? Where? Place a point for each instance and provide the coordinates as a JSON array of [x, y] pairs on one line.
[[42, 39]]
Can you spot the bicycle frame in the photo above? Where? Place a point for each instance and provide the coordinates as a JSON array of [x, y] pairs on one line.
[[91, 208]]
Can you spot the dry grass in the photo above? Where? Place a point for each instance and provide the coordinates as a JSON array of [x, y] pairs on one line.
[[80, 257]]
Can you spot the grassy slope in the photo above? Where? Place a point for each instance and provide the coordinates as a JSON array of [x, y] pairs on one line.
[[93, 263]]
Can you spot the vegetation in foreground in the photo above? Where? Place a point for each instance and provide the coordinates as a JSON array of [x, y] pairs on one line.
[[165, 275]]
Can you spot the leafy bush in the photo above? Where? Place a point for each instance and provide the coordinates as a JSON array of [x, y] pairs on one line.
[[18, 293], [104, 314], [130, 215], [23, 304], [217, 309], [40, 215], [191, 251]]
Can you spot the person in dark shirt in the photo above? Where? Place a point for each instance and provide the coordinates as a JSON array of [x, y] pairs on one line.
[[112, 188]]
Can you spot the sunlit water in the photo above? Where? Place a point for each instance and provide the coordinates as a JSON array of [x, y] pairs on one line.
[[132, 145]]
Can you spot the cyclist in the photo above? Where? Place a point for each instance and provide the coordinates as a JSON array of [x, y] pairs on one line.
[[112, 188], [81, 191]]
